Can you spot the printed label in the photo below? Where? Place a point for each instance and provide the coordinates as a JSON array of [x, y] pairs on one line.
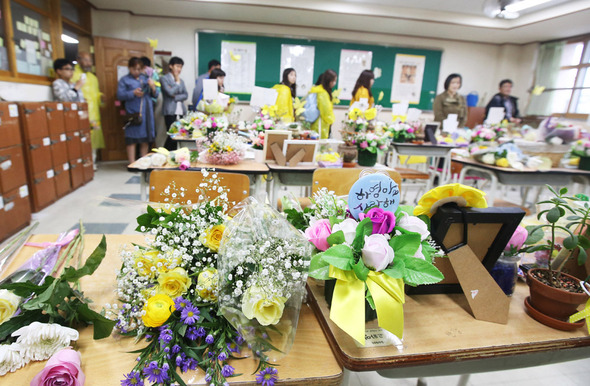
[[23, 191], [46, 141], [9, 206], [63, 138], [13, 111], [6, 165], [378, 337], [66, 166], [83, 139], [76, 133], [1, 202], [60, 106], [74, 106], [50, 173]]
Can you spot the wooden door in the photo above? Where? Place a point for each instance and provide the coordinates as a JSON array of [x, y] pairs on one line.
[[110, 53]]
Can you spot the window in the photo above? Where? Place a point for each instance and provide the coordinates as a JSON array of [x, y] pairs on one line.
[[3, 51]]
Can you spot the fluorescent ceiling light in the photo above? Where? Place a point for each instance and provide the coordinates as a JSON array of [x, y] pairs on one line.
[[524, 4], [68, 39]]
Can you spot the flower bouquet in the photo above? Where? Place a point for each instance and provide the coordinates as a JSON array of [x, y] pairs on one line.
[[182, 157], [262, 274], [402, 131], [581, 149], [190, 126], [369, 144], [488, 133], [225, 148]]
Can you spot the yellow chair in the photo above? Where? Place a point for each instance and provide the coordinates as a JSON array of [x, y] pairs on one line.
[[238, 184], [341, 180]]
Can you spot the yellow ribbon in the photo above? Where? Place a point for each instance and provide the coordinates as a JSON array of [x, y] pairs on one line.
[[584, 314], [348, 302], [356, 113]]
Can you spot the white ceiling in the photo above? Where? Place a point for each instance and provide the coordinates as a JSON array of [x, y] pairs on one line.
[[444, 19]]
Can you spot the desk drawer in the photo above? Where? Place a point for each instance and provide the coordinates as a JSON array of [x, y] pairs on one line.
[[9, 125], [55, 118], [15, 212], [43, 189], [39, 155], [12, 168]]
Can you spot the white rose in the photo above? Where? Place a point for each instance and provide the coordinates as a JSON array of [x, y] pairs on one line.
[[489, 158], [348, 227], [414, 224], [377, 253], [159, 160]]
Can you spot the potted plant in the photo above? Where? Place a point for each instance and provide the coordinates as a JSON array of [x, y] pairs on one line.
[[369, 145], [556, 295]]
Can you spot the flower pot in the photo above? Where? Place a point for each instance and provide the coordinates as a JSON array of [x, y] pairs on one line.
[[556, 303], [584, 163], [258, 155], [370, 314], [348, 153], [366, 158]]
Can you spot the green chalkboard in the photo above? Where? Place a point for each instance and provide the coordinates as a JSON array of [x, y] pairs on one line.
[[327, 55]]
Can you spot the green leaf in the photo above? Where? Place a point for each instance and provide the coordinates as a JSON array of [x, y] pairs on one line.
[[396, 270], [582, 256], [102, 326], [340, 256], [405, 246], [178, 378], [336, 238], [535, 248], [27, 288], [536, 234], [551, 189], [584, 242], [573, 218], [318, 268], [553, 215], [364, 228], [563, 191], [426, 219], [92, 263], [570, 242], [420, 271], [360, 270]]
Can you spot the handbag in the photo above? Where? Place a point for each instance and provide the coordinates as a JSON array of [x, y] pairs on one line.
[[134, 119]]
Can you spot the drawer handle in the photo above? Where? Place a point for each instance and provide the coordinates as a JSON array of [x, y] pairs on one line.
[[66, 108], [37, 180], [57, 173], [73, 166], [33, 147], [4, 158], [9, 199], [29, 111], [68, 138], [49, 109], [53, 142]]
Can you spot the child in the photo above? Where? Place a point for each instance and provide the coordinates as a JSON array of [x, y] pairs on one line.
[[63, 90]]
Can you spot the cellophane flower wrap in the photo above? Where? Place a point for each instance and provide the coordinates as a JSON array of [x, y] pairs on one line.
[[263, 268], [225, 148]]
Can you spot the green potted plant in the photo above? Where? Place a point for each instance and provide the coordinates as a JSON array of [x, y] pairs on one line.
[[556, 295], [369, 145]]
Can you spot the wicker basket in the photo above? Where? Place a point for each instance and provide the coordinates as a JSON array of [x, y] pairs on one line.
[[554, 152]]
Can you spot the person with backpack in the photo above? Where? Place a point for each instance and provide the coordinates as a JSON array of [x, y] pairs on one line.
[[286, 92], [362, 88], [323, 96]]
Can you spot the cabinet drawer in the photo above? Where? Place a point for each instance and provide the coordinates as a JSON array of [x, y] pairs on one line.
[[88, 169], [39, 155], [59, 150], [33, 119], [42, 189], [55, 118], [86, 144], [63, 184], [71, 116], [12, 168], [77, 173], [74, 145], [15, 212], [9, 125]]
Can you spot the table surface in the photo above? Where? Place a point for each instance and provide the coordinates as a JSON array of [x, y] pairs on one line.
[[474, 163], [441, 329], [310, 361], [247, 166]]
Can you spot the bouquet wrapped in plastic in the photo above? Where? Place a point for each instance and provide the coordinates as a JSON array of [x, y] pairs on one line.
[[263, 267]]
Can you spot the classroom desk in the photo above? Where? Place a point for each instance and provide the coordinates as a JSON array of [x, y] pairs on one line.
[[556, 177], [434, 152], [105, 361], [247, 166], [441, 337], [181, 142]]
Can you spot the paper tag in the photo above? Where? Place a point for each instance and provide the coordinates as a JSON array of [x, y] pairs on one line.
[[60, 106], [83, 139], [1, 202], [74, 106], [66, 166], [13, 110], [378, 337], [79, 160], [77, 134], [9, 206], [373, 190], [474, 293], [46, 141], [6, 165], [50, 173], [63, 138], [23, 191]]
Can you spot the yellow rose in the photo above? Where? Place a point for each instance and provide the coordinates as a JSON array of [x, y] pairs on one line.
[[213, 237], [174, 283], [157, 310], [502, 162], [8, 305], [144, 262], [257, 304], [207, 284]]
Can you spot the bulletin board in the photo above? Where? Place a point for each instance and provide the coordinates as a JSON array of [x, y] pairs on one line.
[[327, 56]]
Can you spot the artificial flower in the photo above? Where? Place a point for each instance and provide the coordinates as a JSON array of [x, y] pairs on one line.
[[355, 113], [517, 240], [159, 160], [62, 369], [213, 237], [8, 304], [174, 283], [267, 309], [11, 358], [502, 162], [348, 227], [462, 195], [370, 114], [157, 310], [414, 224], [383, 220], [318, 233], [207, 284], [40, 341], [377, 253]]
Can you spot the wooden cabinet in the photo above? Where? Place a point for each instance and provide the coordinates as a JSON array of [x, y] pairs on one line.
[[12, 168], [9, 125], [33, 120], [71, 116], [74, 145], [77, 173], [55, 118], [39, 154], [63, 183], [15, 211], [88, 169], [83, 120], [43, 189], [86, 144]]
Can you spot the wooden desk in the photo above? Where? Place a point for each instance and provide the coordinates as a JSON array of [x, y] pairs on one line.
[[247, 166], [434, 152], [310, 361], [441, 331]]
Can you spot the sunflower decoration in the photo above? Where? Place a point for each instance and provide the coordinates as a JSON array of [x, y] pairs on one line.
[[462, 195]]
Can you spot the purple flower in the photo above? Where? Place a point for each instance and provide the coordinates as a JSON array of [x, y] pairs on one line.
[[165, 336], [233, 347], [227, 371], [132, 379], [239, 339], [180, 303], [201, 332], [190, 315], [208, 378], [209, 339], [222, 357], [267, 377], [191, 333], [383, 220], [175, 349], [155, 374], [180, 359]]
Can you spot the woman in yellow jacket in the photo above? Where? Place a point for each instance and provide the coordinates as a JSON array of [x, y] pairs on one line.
[[362, 88], [286, 92], [323, 88]]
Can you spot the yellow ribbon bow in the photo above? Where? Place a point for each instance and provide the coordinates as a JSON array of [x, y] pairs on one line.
[[584, 314], [348, 302]]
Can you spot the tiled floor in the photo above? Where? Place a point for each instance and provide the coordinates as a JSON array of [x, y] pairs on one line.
[[110, 204]]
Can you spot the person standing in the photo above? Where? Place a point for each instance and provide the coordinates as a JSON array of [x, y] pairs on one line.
[[198, 91], [362, 88], [93, 96], [137, 90], [173, 93], [63, 90], [450, 101], [286, 92], [151, 73], [507, 101], [323, 88]]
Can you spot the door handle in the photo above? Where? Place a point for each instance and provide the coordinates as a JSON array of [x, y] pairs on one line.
[[9, 199], [33, 147], [37, 180], [49, 109], [4, 158], [29, 111]]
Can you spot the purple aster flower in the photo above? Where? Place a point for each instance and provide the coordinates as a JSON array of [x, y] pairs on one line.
[[132, 379], [209, 339], [222, 356], [201, 332], [190, 315], [148, 337], [180, 303], [267, 377], [165, 337], [208, 378], [155, 374], [239, 339], [211, 354], [227, 371], [175, 349], [191, 333], [233, 347]]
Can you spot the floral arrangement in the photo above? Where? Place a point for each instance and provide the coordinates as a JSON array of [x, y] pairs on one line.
[[225, 148], [262, 122], [181, 157], [330, 159], [190, 126], [258, 141], [581, 148], [488, 133], [169, 292], [402, 131], [371, 142]]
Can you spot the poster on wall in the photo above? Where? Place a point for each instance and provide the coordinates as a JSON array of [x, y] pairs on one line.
[[352, 63], [408, 72], [238, 60], [301, 59]]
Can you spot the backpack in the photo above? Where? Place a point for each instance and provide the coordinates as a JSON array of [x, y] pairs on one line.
[[311, 113]]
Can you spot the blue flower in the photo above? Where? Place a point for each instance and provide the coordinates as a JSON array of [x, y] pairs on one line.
[[175, 349], [201, 332], [180, 303], [267, 377], [222, 356], [209, 339], [155, 374], [190, 315], [192, 333], [227, 371], [132, 379]]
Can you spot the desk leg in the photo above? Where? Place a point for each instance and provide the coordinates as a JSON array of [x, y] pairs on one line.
[[258, 187], [143, 185]]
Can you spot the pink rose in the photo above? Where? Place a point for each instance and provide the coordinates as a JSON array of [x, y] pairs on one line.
[[318, 233], [518, 238], [383, 220], [184, 165], [62, 369], [198, 122], [266, 125], [364, 145], [377, 253], [254, 126], [411, 130], [183, 131]]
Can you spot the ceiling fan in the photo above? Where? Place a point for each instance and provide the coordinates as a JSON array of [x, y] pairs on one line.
[[508, 9]]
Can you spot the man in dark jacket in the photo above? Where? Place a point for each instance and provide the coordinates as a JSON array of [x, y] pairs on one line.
[[505, 100]]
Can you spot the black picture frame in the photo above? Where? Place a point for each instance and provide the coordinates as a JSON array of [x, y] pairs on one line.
[[430, 131]]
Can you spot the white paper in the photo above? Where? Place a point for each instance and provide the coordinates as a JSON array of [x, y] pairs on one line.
[[46, 141], [74, 106], [210, 89], [76, 134], [263, 96], [222, 99], [31, 52], [399, 109], [6, 165], [83, 139], [362, 105], [9, 206], [352, 63], [13, 111], [301, 58], [408, 73], [495, 115], [450, 124], [23, 191], [1, 202], [413, 114], [63, 137], [50, 173], [66, 166], [238, 60], [60, 106], [121, 72]]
